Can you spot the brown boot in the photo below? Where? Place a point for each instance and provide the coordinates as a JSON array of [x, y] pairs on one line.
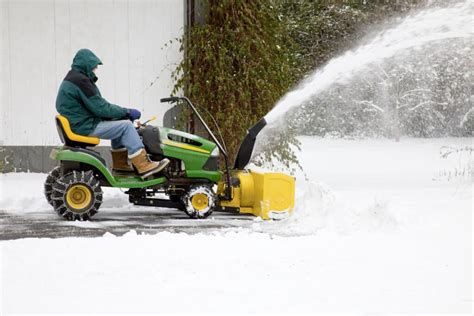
[[144, 166], [120, 160]]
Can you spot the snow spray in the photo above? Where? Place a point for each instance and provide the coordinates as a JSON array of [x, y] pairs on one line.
[[413, 32]]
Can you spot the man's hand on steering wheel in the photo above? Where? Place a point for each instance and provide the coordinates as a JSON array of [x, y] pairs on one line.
[[133, 114]]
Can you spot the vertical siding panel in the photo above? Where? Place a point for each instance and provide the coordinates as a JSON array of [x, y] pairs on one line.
[[32, 66], [8, 131], [121, 43], [100, 21], [138, 35], [79, 27], [5, 83], [63, 57], [171, 22], [164, 23], [153, 53], [47, 38]]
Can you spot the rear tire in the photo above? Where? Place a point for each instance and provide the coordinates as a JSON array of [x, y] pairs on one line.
[[53, 175], [199, 201], [77, 195]]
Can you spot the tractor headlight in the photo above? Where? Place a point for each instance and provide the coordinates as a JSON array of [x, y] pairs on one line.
[[215, 152]]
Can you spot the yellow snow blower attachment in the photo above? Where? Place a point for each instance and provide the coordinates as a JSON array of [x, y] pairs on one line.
[[270, 195]]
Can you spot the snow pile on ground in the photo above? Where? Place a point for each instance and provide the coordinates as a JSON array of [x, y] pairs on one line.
[[378, 185], [22, 192], [380, 226]]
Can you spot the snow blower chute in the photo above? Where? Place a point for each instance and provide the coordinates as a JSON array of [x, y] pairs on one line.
[[192, 181]]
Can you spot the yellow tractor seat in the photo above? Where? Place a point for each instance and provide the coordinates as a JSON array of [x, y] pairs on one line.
[[69, 138]]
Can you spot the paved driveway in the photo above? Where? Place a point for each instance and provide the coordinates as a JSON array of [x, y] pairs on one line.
[[46, 224]]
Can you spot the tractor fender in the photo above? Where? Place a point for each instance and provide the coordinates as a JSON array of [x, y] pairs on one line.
[[126, 182]]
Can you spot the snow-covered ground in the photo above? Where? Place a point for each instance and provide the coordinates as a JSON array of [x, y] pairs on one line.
[[380, 226]]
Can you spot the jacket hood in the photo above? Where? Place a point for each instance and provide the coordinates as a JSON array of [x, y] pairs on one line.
[[84, 61]]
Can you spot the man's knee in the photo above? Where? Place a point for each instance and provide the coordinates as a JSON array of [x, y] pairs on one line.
[[126, 125]]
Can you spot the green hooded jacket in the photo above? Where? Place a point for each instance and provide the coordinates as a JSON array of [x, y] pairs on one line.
[[80, 100]]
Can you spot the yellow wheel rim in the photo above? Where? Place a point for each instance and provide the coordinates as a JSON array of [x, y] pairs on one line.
[[200, 201], [78, 196]]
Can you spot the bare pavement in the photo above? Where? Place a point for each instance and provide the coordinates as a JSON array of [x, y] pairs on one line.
[[46, 224]]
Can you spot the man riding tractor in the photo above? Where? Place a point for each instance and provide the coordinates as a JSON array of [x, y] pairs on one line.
[[89, 114]]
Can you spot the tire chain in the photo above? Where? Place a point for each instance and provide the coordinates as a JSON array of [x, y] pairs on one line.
[[59, 195], [189, 209], [53, 175]]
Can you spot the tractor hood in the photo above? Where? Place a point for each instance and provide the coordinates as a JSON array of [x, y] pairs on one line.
[[246, 148]]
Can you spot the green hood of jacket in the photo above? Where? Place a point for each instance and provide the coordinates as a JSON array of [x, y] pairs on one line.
[[84, 61]]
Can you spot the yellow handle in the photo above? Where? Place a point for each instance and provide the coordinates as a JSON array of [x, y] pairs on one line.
[[151, 119]]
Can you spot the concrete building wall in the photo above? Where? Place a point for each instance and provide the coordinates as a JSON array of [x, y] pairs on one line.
[[39, 39]]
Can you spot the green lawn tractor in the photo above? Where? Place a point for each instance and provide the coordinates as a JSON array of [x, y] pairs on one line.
[[192, 182]]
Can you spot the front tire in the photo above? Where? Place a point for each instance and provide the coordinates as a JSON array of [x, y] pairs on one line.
[[77, 195], [199, 201]]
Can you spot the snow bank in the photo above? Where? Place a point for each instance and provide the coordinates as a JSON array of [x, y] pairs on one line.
[[22, 192], [378, 185]]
